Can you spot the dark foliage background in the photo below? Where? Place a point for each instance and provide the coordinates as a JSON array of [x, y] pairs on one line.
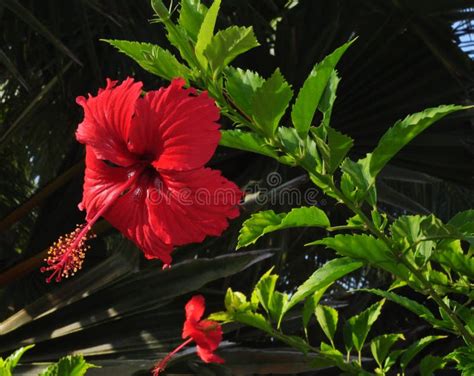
[[122, 311]]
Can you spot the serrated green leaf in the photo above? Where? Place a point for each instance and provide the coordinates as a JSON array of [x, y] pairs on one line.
[[222, 316], [290, 140], [12, 360], [403, 132], [456, 261], [269, 103], [152, 58], [191, 15], [241, 86], [367, 248], [362, 180], [327, 318], [247, 141], [415, 348], [206, 32], [256, 320], [464, 357], [71, 365], [263, 222], [464, 223], [327, 100], [336, 148], [361, 324], [409, 304], [381, 345], [326, 274], [310, 305], [431, 363], [277, 306], [236, 301], [313, 89], [227, 44], [264, 289]]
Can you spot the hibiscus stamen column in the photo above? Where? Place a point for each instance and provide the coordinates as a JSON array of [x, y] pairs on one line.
[[67, 254]]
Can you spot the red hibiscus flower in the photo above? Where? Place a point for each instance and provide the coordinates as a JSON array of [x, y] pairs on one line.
[[145, 173], [206, 334]]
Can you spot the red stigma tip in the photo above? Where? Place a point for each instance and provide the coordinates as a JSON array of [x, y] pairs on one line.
[[66, 255]]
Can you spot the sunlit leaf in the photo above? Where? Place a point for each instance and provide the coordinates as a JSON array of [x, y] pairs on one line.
[[206, 32], [71, 365], [270, 102], [403, 132], [152, 58], [313, 89], [227, 44], [248, 141], [415, 348], [360, 325], [327, 318], [191, 16], [263, 222]]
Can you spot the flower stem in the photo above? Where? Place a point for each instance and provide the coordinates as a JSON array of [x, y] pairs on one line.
[[162, 364]]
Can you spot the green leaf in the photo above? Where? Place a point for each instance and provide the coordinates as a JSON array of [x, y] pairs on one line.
[[313, 89], [10, 363], [464, 357], [152, 58], [464, 223], [363, 182], [409, 304], [247, 141], [327, 318], [277, 307], [329, 97], [191, 15], [256, 320], [403, 132], [359, 325], [381, 345], [270, 102], [236, 301], [227, 44], [456, 261], [222, 316], [206, 32], [326, 274], [431, 363], [367, 248], [71, 365], [241, 86], [335, 150], [415, 348], [310, 305], [263, 222], [264, 289]]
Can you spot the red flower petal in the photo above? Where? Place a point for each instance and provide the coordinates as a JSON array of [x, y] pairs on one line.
[[107, 119], [130, 216], [192, 205], [175, 128], [208, 356], [195, 308], [101, 181], [208, 334]]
